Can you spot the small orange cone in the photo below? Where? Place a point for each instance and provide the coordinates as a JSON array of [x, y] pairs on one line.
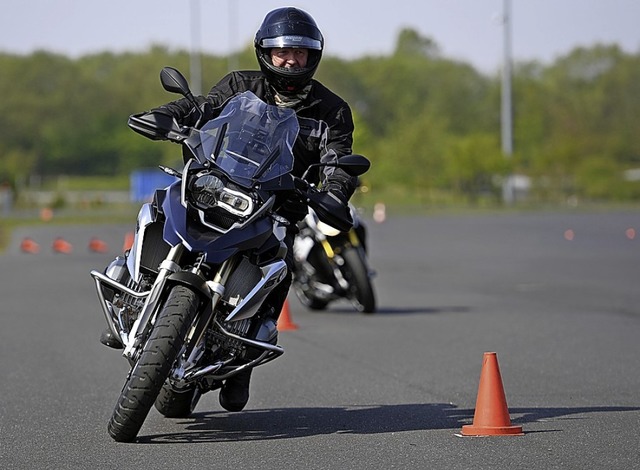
[[60, 245], [46, 214], [379, 212], [128, 241], [98, 246], [29, 246], [284, 321], [491, 416]]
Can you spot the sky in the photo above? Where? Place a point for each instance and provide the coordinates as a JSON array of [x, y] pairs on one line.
[[466, 30]]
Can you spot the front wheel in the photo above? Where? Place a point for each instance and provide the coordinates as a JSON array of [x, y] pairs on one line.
[[154, 366], [357, 274]]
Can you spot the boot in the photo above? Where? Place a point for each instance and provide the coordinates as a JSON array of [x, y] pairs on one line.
[[234, 394], [109, 339]]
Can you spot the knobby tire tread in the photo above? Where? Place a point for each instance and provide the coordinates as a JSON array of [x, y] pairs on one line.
[[154, 365]]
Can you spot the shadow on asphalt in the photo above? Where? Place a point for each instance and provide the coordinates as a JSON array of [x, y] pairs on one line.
[[289, 423], [425, 310], [342, 310]]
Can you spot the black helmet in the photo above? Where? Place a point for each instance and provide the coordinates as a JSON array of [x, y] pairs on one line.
[[288, 27]]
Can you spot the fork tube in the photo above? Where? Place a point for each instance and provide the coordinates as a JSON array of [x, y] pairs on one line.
[[167, 267], [216, 287]]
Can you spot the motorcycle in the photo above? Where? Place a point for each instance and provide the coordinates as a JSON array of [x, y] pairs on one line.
[[184, 301], [330, 265]]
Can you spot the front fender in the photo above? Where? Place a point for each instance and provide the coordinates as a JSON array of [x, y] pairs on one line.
[[191, 280]]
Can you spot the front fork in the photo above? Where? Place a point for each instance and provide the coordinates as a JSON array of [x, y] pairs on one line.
[[186, 370], [336, 261], [169, 272], [168, 267], [138, 331]]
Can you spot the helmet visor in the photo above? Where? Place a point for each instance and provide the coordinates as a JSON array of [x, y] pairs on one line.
[[292, 41]]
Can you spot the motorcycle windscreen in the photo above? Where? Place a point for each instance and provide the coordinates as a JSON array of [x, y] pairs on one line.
[[251, 141]]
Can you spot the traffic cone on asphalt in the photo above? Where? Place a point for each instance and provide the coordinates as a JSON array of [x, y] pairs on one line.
[[98, 246], [284, 321], [379, 212], [491, 416], [128, 241], [60, 245], [29, 246]]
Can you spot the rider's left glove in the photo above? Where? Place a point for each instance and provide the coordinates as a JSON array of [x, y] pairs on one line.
[[337, 191]]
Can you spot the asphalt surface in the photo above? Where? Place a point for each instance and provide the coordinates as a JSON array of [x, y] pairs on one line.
[[554, 295]]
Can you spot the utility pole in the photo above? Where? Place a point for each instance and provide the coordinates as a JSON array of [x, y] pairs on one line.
[[232, 58], [195, 79], [507, 113]]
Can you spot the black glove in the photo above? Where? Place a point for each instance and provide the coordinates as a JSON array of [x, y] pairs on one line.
[[338, 191]]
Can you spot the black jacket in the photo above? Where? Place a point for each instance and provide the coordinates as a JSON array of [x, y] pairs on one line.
[[326, 124]]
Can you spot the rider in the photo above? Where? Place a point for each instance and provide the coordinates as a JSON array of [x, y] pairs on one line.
[[288, 47]]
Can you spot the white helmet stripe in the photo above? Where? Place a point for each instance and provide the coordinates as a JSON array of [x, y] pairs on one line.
[[292, 41]]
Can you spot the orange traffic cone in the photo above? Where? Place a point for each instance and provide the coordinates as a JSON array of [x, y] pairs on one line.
[[60, 245], [379, 212], [491, 415], [284, 321], [128, 241], [97, 245], [29, 246]]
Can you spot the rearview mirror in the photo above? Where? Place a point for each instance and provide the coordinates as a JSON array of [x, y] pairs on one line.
[[173, 81], [354, 165]]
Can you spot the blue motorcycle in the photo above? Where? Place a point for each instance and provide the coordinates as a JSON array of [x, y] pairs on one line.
[[184, 301]]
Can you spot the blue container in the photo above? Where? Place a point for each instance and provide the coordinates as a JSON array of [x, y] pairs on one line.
[[144, 183]]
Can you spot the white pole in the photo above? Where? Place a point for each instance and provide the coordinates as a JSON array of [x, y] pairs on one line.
[[196, 68], [507, 113], [232, 59], [507, 139]]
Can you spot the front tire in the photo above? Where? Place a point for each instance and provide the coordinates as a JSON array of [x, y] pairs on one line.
[[154, 366], [357, 274]]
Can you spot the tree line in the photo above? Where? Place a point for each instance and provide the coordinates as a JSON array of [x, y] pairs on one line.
[[429, 124]]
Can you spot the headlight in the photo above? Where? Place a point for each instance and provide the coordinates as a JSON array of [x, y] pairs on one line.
[[327, 230], [205, 189], [238, 202], [209, 191]]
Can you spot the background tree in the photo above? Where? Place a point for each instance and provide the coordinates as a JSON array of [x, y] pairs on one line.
[[429, 124]]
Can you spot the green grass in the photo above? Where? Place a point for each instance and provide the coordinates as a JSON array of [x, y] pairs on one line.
[[113, 214], [87, 183], [397, 201], [89, 213]]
